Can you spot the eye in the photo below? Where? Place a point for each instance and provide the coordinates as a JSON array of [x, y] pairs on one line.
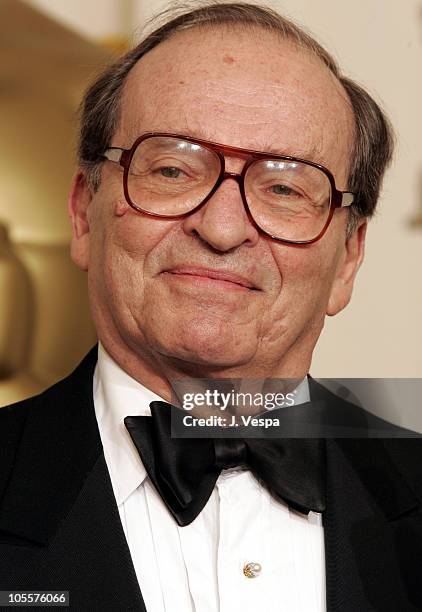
[[284, 190], [170, 172]]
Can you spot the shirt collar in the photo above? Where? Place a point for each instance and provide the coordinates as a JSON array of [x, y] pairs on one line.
[[116, 396], [302, 393]]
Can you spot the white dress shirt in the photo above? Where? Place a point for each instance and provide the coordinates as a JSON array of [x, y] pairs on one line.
[[199, 568]]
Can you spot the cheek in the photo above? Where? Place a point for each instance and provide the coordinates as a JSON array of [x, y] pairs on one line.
[[300, 305], [137, 240], [124, 254], [135, 236], [307, 275], [121, 232]]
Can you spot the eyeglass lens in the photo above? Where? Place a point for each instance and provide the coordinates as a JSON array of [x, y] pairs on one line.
[[288, 199]]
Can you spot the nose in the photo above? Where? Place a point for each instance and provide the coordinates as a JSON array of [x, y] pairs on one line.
[[223, 222]]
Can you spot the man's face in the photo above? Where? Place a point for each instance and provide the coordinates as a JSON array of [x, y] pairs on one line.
[[149, 278]]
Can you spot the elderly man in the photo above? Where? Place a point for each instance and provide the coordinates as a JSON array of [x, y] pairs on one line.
[[227, 172]]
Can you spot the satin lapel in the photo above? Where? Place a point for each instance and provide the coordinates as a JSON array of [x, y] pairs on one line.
[[370, 509], [59, 445], [58, 516]]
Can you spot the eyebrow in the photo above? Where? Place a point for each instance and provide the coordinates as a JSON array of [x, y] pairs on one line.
[[311, 154]]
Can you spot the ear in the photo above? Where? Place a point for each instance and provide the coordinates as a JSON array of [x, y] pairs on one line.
[[352, 257], [80, 197]]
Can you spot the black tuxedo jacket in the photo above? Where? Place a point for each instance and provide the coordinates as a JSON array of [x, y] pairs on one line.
[[60, 527]]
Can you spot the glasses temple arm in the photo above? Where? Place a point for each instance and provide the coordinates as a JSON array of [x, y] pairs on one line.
[[346, 198], [113, 154]]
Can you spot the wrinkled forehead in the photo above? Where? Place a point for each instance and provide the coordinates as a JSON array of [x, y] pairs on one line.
[[241, 87]]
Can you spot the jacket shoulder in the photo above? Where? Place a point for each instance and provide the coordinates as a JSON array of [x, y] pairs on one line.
[[407, 456], [16, 419], [18, 411], [12, 424]]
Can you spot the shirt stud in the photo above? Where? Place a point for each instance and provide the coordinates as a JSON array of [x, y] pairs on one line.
[[252, 570]]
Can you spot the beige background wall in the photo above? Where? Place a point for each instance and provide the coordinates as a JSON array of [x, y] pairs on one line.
[[379, 43]]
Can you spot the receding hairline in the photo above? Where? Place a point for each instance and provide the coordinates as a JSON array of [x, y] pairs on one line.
[[373, 138], [295, 44]]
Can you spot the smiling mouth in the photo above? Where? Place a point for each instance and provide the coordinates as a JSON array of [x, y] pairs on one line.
[[203, 276]]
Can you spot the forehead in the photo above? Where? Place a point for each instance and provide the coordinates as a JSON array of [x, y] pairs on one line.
[[245, 88]]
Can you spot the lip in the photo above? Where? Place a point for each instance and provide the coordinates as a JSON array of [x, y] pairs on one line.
[[199, 273]]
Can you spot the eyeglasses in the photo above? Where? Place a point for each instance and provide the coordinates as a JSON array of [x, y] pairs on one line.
[[289, 199]]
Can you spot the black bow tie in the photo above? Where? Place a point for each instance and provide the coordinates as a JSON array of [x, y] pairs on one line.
[[184, 470]]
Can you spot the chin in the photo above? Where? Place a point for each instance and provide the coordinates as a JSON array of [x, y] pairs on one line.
[[199, 363], [204, 345]]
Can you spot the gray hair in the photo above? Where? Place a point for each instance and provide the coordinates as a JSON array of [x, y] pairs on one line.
[[373, 136]]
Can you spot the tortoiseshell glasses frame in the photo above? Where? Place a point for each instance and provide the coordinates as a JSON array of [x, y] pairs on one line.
[[124, 157]]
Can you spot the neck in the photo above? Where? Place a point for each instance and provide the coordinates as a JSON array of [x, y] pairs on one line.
[[158, 372]]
